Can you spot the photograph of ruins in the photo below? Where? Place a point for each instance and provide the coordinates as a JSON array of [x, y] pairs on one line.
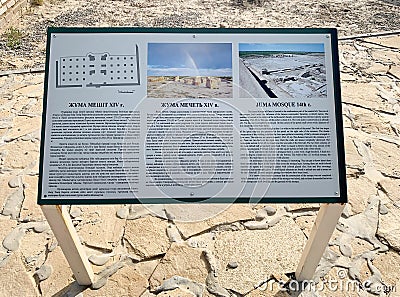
[[189, 70], [282, 70]]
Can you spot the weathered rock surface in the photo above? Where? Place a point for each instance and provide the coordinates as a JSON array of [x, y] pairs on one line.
[[127, 282], [99, 227], [61, 276], [359, 190], [176, 293], [147, 237], [180, 260], [259, 254], [23, 126], [19, 154], [236, 212], [15, 280], [306, 223], [389, 229], [388, 264]]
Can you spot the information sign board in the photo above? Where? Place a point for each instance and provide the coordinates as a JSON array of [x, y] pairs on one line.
[[140, 115]]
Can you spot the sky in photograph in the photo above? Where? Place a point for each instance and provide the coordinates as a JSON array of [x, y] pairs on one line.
[[189, 59], [282, 47]]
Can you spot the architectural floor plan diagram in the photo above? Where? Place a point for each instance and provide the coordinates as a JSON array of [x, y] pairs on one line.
[[98, 70]]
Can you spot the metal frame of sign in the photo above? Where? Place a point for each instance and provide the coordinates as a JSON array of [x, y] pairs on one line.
[[61, 223], [339, 196]]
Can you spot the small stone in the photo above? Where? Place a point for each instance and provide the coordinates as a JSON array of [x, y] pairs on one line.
[[264, 212], [173, 234], [31, 91], [252, 249], [99, 227], [123, 213], [383, 209], [44, 272], [346, 250], [13, 204], [51, 247], [233, 265], [12, 241], [255, 225], [40, 227], [100, 260], [14, 182], [126, 281], [75, 213]]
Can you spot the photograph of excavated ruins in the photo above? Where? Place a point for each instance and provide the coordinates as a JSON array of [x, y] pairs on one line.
[[189, 70], [294, 70]]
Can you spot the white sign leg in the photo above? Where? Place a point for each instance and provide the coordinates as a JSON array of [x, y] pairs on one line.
[[327, 218], [61, 224]]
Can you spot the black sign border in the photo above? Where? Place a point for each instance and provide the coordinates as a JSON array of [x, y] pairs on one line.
[[342, 198]]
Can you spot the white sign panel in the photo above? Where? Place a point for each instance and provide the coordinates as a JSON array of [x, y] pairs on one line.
[[212, 115]]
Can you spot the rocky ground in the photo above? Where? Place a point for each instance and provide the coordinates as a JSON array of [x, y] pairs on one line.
[[138, 251], [180, 89]]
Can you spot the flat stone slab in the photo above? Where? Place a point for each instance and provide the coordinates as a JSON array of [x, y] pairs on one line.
[[147, 237], [359, 190], [234, 213], [389, 41], [23, 126], [99, 226], [20, 154], [6, 190], [15, 280], [125, 282], [258, 254], [180, 260], [389, 227], [386, 157], [61, 276], [33, 248], [364, 94], [388, 264], [35, 90]]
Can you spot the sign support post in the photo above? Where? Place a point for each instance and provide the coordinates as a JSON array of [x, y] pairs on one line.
[[63, 229], [324, 225], [61, 224]]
